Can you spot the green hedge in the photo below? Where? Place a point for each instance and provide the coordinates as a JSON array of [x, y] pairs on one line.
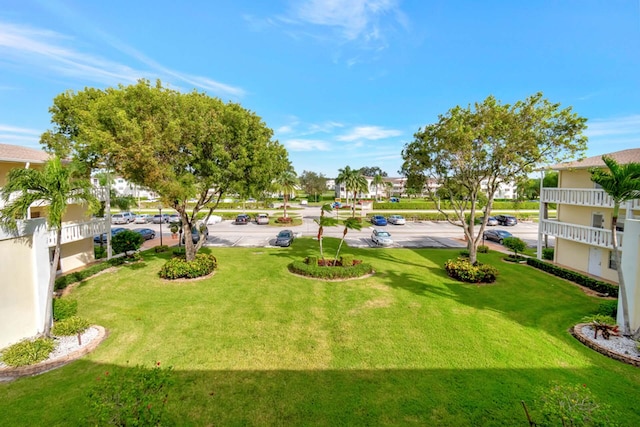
[[78, 276], [180, 268], [321, 272], [444, 204], [71, 326], [588, 282]]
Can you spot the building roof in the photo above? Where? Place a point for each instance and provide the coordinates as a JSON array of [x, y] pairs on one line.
[[622, 157], [16, 153]]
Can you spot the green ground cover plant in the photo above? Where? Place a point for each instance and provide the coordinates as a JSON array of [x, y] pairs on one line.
[[256, 345]]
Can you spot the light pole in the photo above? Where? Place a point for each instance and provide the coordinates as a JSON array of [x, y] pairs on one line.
[[160, 209]]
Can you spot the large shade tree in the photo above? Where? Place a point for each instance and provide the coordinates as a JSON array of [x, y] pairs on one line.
[[313, 183], [54, 187], [183, 146], [622, 183], [469, 151]]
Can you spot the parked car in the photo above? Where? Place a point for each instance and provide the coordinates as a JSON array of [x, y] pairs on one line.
[[143, 219], [396, 220], [381, 237], [102, 238], [284, 238], [492, 221], [214, 219], [496, 235], [159, 219], [506, 219], [394, 200], [174, 219], [147, 233], [122, 218], [197, 232], [378, 220], [262, 219], [243, 219], [336, 205]]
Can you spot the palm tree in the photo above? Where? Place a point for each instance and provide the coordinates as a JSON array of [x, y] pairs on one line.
[[378, 180], [349, 224], [353, 181], [57, 187], [388, 188], [621, 183], [324, 221], [286, 183]]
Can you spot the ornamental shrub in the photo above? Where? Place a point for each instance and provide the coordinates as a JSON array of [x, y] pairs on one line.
[[72, 326], [515, 244], [609, 308], [312, 260], [596, 285], [28, 352], [63, 308], [346, 260], [329, 272], [547, 253], [483, 249], [126, 241], [179, 268], [461, 269], [573, 405], [284, 220], [161, 248]]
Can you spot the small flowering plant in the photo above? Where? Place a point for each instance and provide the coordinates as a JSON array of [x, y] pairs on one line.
[[133, 396]]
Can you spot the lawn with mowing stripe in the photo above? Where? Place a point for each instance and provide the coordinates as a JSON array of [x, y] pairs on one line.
[[256, 345]]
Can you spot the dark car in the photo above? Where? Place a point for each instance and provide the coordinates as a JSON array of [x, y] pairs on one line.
[[506, 220], [197, 232], [146, 233], [102, 238], [378, 220], [496, 235], [284, 238], [243, 219]]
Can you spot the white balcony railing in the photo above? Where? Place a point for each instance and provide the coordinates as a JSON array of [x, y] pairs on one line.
[[72, 232], [582, 197], [580, 233]]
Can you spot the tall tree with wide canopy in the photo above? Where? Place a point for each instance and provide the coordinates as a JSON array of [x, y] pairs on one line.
[[622, 183], [286, 183], [313, 183], [182, 146], [469, 151], [354, 182], [54, 187]]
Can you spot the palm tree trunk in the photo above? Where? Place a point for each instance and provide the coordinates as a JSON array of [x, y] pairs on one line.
[[344, 234], [48, 315], [286, 199], [626, 329]]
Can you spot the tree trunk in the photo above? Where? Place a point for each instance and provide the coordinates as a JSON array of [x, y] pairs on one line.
[[344, 234], [48, 316], [626, 329], [286, 199]]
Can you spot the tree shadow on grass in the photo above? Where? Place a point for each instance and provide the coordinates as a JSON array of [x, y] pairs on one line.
[[442, 397]]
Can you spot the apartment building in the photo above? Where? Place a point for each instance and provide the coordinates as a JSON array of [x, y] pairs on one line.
[[582, 229], [26, 254]]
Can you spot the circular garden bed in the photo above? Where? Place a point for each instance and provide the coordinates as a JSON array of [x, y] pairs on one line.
[[345, 268]]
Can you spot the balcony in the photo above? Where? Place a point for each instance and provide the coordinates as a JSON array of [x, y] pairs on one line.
[[582, 197], [72, 232], [579, 233]]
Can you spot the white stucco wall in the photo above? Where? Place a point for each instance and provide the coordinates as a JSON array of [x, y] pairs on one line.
[[631, 271]]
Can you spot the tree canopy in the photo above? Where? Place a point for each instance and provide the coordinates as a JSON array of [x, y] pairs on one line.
[[469, 151], [372, 171], [313, 183], [183, 146]]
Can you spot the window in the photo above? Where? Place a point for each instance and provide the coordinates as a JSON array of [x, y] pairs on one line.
[[612, 261]]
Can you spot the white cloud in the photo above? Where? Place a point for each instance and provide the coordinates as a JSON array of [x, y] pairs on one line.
[[369, 132], [616, 126], [47, 51], [306, 145], [14, 129]]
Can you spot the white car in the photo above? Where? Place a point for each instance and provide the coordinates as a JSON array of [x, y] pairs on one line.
[[262, 219], [396, 220], [143, 219], [214, 219], [381, 237], [122, 218]]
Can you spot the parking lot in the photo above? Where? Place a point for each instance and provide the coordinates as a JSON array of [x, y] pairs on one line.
[[424, 234]]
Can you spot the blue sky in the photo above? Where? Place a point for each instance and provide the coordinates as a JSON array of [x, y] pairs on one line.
[[340, 82]]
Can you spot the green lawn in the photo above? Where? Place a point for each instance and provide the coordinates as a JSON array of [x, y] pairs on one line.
[[255, 345]]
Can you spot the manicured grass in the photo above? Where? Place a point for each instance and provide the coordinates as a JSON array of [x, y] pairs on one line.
[[255, 345]]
